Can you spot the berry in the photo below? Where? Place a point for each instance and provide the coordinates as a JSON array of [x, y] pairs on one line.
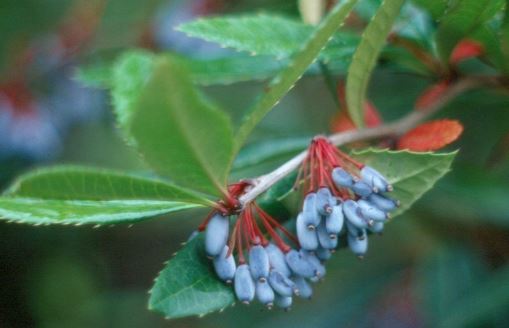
[[371, 212], [384, 203], [362, 189], [224, 265], [375, 179], [324, 201], [281, 284], [323, 253], [300, 265], [216, 234], [277, 260], [342, 178], [259, 263], [264, 293], [358, 246], [310, 216], [334, 222], [354, 215], [305, 290], [307, 238], [244, 284], [284, 302], [325, 239]]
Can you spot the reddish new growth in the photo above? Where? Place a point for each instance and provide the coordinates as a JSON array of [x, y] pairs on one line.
[[253, 225], [322, 158]]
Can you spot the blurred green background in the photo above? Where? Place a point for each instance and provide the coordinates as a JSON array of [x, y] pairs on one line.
[[443, 263]]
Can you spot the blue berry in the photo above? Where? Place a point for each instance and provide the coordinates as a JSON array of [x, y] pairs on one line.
[[354, 231], [358, 246], [362, 189], [216, 234], [323, 253], [334, 222], [324, 201], [354, 215], [265, 293], [284, 302], [342, 178], [326, 240], [375, 179], [281, 284], [371, 212], [244, 284], [310, 215], [225, 266], [299, 265], [384, 203], [318, 267], [277, 260], [259, 263], [307, 238], [305, 289], [378, 227]]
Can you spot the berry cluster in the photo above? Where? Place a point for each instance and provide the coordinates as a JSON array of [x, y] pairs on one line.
[[339, 191]]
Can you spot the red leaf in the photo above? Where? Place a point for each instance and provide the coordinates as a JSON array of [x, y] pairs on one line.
[[466, 49], [431, 135], [431, 94], [342, 122]]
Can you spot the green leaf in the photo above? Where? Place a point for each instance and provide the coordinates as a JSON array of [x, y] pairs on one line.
[[179, 134], [78, 212], [412, 174], [460, 21], [188, 285], [130, 74], [285, 80], [82, 183], [504, 37], [365, 57], [257, 34], [264, 34]]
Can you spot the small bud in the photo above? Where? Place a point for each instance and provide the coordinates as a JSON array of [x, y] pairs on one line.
[[216, 235], [307, 238], [244, 285], [259, 263], [225, 266]]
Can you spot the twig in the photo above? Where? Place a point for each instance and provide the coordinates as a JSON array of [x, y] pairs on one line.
[[263, 183]]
